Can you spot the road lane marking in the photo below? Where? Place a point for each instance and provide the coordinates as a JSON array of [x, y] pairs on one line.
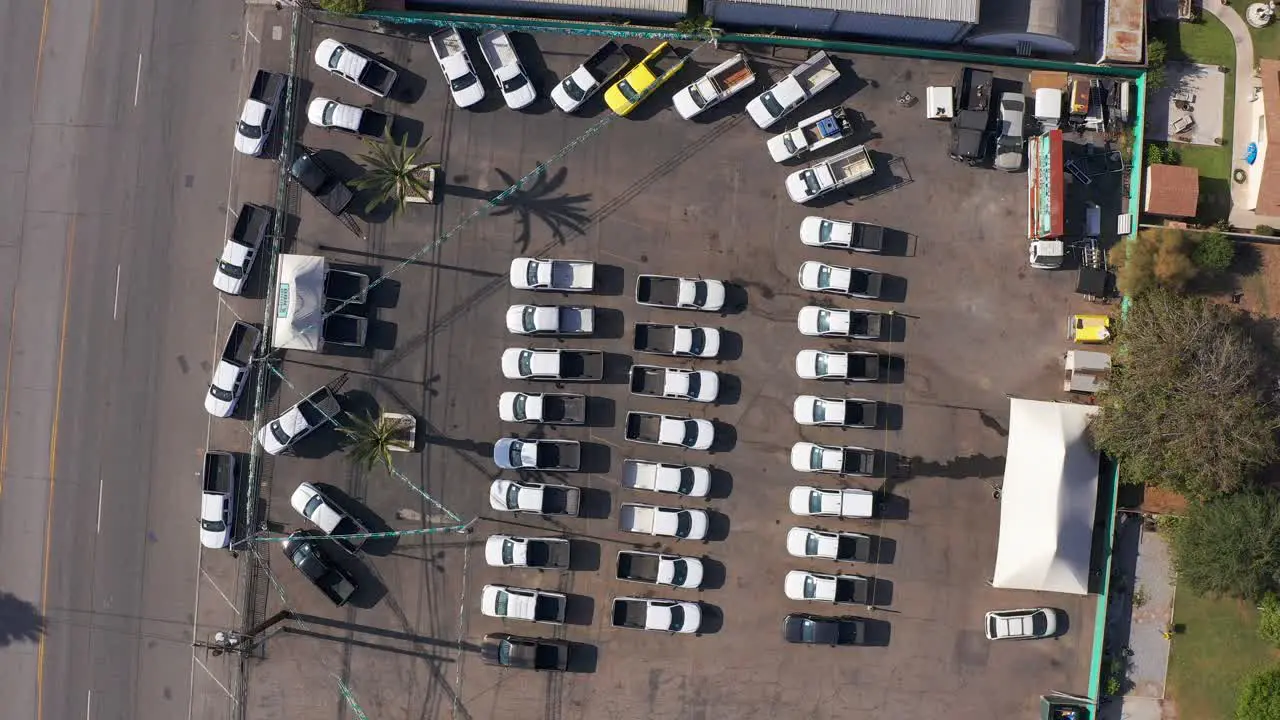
[[255, 37], [230, 604], [212, 676], [88, 705], [115, 304], [99, 504], [53, 466], [137, 82], [44, 29], [8, 377]]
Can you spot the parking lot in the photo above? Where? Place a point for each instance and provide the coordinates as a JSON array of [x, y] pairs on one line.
[[653, 193]]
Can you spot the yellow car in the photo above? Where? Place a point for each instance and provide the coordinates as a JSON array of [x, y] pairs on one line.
[[644, 78], [1089, 328]]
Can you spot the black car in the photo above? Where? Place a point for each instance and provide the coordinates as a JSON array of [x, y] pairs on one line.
[[324, 184], [306, 554], [809, 629], [525, 653]]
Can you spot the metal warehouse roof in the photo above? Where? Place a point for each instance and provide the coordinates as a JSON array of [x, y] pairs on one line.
[[953, 10], [670, 6]]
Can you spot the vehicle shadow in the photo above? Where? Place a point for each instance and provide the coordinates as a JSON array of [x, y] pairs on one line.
[[584, 555], [594, 504], [721, 483], [602, 412], [878, 632], [881, 592], [890, 416], [730, 344], [717, 527], [712, 619], [713, 574], [617, 369], [583, 658], [610, 324], [893, 369], [726, 437], [893, 288], [610, 280], [596, 458], [895, 328], [883, 550], [730, 389], [579, 609], [893, 507], [735, 299], [372, 521]]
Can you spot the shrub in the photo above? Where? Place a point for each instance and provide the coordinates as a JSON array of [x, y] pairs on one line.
[[1160, 257], [1155, 155], [1266, 230], [1157, 53], [1230, 546], [1269, 619], [343, 7], [1259, 697], [1214, 252]]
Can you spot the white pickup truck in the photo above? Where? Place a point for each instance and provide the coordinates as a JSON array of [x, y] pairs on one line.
[[551, 320], [258, 116], [544, 454], [543, 408], [681, 523], [807, 501], [534, 497], [552, 364], [455, 63], [674, 383], [554, 275], [689, 480], [837, 171], [669, 616], [355, 66], [597, 71], [333, 115], [516, 603], [659, 569], [676, 340], [536, 553], [513, 81], [812, 133], [233, 266], [719, 84], [670, 430], [231, 374], [217, 499], [680, 293], [806, 80]]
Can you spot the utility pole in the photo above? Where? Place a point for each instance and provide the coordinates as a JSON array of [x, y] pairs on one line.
[[229, 641]]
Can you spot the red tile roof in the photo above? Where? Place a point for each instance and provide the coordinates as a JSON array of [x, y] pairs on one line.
[[1172, 190]]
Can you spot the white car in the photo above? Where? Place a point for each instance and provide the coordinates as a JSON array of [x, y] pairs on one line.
[[1021, 624], [839, 589], [1011, 142], [857, 282], [835, 412], [355, 66], [862, 237], [839, 546], [860, 365], [807, 501], [817, 321]]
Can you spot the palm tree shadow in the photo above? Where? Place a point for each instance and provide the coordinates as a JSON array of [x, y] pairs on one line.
[[20, 620], [535, 199]]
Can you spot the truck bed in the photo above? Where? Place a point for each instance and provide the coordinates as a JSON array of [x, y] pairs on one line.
[[559, 455], [852, 168], [652, 338], [576, 320], [854, 590], [816, 73], [581, 365], [251, 224], [495, 45], [643, 426], [607, 60], [342, 329], [647, 380], [560, 500], [241, 342], [446, 42], [548, 554], [565, 409], [549, 608], [637, 567], [867, 236], [630, 613], [319, 406], [346, 285], [654, 290], [219, 468], [268, 87]]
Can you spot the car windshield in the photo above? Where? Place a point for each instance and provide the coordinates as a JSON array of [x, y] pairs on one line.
[[526, 319], [526, 363], [822, 364], [824, 320], [219, 393], [684, 523], [462, 82], [810, 179], [824, 276], [336, 57], [571, 89], [277, 431], [695, 384], [216, 526], [504, 652], [771, 104], [531, 274], [819, 411], [231, 271], [686, 480], [697, 341], [811, 544], [824, 231], [696, 96], [518, 406], [690, 432], [699, 293], [326, 115], [310, 508], [1039, 624], [815, 502], [500, 606], [815, 457], [515, 83], [514, 453], [808, 630], [677, 617], [513, 497], [789, 144], [679, 572], [628, 92], [252, 132], [508, 552], [810, 586]]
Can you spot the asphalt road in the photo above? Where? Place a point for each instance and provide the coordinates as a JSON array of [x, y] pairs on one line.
[[114, 187]]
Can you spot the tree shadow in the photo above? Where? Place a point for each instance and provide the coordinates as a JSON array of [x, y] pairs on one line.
[[20, 621], [534, 199]]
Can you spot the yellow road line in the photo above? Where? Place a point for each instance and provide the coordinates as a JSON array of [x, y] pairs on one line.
[[53, 465], [8, 378], [44, 29]]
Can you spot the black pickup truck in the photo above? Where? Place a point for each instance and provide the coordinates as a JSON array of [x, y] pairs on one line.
[[970, 128], [306, 554], [323, 183]]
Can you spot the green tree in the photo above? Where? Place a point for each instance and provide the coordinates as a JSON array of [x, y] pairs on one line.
[[392, 172], [1157, 53], [1159, 257], [1214, 252], [370, 441], [1269, 619], [1230, 546], [1259, 697], [343, 7], [1186, 407]]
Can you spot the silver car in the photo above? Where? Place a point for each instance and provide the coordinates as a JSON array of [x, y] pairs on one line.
[[1010, 144], [1025, 624]]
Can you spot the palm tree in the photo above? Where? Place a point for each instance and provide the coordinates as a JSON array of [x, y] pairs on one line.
[[392, 172], [372, 440]]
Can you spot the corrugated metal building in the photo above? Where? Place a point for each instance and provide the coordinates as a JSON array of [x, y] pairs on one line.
[[667, 11], [1029, 27], [923, 21]]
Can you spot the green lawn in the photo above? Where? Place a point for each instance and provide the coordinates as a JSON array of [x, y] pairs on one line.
[[1266, 42], [1207, 43], [1217, 647]]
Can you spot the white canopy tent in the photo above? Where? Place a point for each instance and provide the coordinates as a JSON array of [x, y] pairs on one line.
[[299, 302], [1048, 499]]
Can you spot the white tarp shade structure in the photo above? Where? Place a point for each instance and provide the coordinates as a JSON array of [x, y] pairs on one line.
[[1048, 499], [299, 302]]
